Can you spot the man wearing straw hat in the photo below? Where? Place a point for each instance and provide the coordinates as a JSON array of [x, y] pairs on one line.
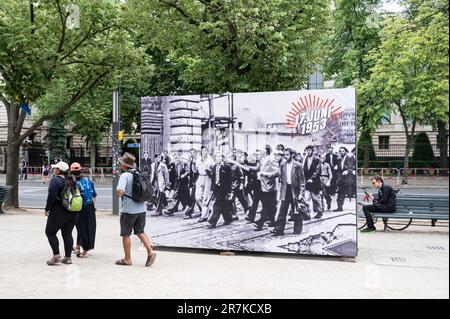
[[132, 213]]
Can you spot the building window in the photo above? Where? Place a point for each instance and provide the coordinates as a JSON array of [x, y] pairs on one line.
[[68, 142], [383, 142]]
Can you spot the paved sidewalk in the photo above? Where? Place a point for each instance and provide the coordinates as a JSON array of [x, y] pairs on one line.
[[408, 264]]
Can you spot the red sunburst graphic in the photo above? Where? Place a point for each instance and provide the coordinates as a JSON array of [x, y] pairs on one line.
[[309, 103]]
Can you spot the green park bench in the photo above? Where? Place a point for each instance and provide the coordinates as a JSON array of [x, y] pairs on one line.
[[5, 191], [409, 207]]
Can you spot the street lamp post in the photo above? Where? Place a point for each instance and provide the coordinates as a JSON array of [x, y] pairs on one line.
[[115, 150]]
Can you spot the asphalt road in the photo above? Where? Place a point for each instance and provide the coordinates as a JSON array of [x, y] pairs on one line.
[[33, 194]]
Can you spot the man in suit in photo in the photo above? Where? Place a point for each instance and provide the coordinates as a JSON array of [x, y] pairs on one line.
[[332, 159], [146, 163], [181, 185], [311, 169], [237, 178], [346, 173], [292, 185], [162, 182], [193, 176], [221, 191]]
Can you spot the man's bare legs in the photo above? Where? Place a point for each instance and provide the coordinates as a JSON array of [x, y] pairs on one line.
[[126, 241], [146, 241]]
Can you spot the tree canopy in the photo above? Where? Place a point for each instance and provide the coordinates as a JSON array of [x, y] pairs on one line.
[[50, 64], [219, 46]]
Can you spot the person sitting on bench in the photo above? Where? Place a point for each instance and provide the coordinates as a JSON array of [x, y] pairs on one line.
[[384, 203]]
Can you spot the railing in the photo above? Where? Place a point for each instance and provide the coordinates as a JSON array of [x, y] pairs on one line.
[[100, 173], [403, 176], [31, 173], [398, 150], [400, 176], [94, 173]]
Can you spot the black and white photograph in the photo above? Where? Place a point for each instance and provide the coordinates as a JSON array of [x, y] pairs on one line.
[[257, 172]]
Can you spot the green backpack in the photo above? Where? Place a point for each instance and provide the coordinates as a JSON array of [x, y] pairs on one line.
[[72, 200]]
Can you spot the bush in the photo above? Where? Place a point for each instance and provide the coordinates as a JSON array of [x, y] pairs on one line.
[[363, 140], [423, 155]]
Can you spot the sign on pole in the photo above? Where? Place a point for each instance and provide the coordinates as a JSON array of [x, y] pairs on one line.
[[115, 150]]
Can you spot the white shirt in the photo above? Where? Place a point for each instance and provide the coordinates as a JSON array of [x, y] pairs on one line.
[[343, 162], [289, 172], [203, 165], [309, 160]]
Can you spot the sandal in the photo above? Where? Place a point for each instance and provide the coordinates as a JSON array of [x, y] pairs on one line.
[[150, 260], [76, 251], [122, 262], [54, 261], [84, 254]]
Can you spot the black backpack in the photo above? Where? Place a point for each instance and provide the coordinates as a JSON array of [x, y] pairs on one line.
[[142, 187]]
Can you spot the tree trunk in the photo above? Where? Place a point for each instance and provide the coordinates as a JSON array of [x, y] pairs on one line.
[[93, 149], [15, 123], [12, 173], [442, 144], [409, 142], [409, 145], [366, 156]]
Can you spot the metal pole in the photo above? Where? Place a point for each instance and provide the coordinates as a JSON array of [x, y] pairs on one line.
[[115, 151], [232, 119], [211, 119]]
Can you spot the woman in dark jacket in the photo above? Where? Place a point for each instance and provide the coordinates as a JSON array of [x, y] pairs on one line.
[[58, 217], [87, 223]]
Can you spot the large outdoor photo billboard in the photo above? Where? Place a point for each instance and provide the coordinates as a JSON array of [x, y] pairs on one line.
[[256, 172]]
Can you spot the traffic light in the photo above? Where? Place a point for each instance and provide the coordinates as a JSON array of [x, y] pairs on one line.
[[120, 135]]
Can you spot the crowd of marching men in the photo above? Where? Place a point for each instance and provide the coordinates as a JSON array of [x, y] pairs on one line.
[[284, 181]]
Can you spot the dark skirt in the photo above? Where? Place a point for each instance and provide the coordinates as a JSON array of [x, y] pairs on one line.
[[86, 227]]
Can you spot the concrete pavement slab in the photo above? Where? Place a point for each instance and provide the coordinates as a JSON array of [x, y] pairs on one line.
[[179, 273]]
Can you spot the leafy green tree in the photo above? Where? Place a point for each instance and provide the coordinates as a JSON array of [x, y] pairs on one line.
[[365, 145], [410, 72], [354, 34], [56, 140], [219, 46], [91, 118], [51, 64]]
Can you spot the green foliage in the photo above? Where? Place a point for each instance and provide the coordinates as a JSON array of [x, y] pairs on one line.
[[411, 65], [355, 33], [52, 66], [410, 68], [219, 46], [364, 140], [56, 140], [423, 152]]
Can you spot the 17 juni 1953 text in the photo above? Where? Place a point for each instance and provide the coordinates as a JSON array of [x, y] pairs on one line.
[[226, 308]]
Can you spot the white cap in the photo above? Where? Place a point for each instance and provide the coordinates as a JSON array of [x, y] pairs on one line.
[[63, 166]]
